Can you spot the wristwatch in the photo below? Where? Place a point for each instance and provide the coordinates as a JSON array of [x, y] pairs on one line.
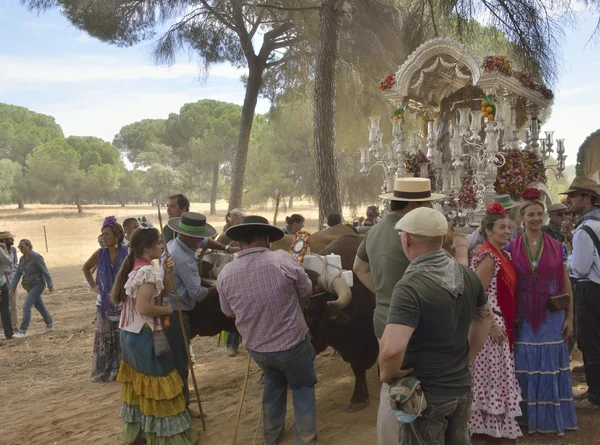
[[227, 248]]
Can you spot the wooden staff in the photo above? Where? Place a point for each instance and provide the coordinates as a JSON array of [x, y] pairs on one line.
[[185, 339], [239, 413]]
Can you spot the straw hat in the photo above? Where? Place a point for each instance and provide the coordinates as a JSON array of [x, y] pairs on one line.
[[254, 224], [423, 221], [192, 224], [583, 185], [6, 235], [412, 189]]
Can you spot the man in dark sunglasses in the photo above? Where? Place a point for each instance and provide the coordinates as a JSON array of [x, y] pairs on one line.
[[557, 214]]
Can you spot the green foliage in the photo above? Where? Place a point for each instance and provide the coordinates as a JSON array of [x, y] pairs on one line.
[[53, 169], [10, 172], [582, 150], [161, 180]]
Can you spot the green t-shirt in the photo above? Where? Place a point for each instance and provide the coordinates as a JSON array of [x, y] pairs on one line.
[[438, 349], [554, 232], [382, 249]]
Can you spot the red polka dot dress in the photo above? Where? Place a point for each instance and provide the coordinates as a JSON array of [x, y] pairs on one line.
[[496, 391]]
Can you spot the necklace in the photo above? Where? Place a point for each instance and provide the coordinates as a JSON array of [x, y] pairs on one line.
[[533, 260]]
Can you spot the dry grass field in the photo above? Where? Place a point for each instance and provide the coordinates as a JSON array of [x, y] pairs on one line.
[[47, 397]]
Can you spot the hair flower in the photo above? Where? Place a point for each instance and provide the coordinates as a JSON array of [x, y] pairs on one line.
[[109, 221], [496, 209], [530, 194]]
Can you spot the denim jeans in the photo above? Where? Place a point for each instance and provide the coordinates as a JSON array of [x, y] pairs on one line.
[[34, 299], [233, 340], [178, 350], [294, 368], [444, 422]]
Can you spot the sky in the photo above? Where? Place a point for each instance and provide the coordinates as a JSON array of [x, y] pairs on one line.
[[92, 88]]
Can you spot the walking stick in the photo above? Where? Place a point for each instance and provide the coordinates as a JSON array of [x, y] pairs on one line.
[[239, 413], [185, 339]]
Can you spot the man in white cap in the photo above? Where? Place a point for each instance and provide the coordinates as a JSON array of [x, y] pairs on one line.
[[380, 263], [438, 321]]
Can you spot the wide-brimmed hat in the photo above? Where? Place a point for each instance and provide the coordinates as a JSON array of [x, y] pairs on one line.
[[412, 189], [254, 224], [506, 201], [6, 235], [558, 207], [192, 224], [583, 185], [423, 221]]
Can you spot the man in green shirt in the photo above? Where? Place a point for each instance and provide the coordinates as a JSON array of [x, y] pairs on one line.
[[380, 263], [556, 214], [437, 323]]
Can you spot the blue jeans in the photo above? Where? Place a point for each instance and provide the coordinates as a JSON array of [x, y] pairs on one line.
[[233, 340], [178, 349], [34, 299], [444, 422], [294, 367]]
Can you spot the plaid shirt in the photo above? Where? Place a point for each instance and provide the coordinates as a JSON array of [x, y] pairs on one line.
[[263, 289]]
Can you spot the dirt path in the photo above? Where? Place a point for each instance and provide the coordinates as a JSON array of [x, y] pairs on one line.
[[47, 397]]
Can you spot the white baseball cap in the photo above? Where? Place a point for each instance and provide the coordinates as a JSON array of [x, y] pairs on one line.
[[423, 221]]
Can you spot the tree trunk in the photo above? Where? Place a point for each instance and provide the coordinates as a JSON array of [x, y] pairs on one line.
[[78, 204], [328, 187], [213, 190], [21, 204], [255, 72], [120, 199], [291, 202], [276, 212]]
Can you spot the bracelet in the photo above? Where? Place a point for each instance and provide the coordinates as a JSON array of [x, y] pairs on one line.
[[494, 324]]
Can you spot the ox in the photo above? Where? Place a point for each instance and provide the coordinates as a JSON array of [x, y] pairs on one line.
[[348, 330]]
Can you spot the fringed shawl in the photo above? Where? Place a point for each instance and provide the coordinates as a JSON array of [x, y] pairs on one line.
[[106, 274], [534, 288]]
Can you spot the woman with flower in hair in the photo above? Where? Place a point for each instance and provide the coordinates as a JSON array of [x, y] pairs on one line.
[[107, 349], [496, 393], [541, 356], [153, 407]]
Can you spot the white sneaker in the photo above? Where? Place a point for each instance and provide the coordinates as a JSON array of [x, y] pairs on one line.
[[19, 334], [50, 329]]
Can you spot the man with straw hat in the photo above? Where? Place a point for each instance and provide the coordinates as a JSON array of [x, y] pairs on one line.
[[583, 264], [380, 263], [193, 233], [438, 320], [263, 290]]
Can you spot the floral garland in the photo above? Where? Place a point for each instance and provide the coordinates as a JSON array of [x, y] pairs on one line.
[[413, 162], [496, 63], [387, 82], [466, 195], [521, 167], [501, 65]]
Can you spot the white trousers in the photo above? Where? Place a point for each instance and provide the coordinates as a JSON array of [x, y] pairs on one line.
[[388, 426]]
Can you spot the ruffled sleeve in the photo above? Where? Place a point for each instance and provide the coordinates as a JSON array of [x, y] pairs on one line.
[[481, 255], [144, 275]]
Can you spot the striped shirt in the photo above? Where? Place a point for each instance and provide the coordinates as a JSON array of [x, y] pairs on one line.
[[186, 275], [262, 290]]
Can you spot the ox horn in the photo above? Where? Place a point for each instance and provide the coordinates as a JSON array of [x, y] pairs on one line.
[[336, 285]]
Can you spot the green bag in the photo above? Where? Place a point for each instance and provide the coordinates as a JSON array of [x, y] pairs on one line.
[[27, 286]]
